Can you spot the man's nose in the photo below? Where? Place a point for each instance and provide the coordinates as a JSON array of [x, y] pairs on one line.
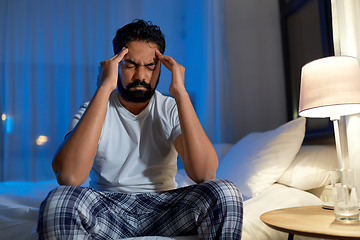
[[140, 73]]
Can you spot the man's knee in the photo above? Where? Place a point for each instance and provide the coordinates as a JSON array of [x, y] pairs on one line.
[[58, 199], [61, 203], [223, 189], [222, 194], [60, 193], [225, 209]]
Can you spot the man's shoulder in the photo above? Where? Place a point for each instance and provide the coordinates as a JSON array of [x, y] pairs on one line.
[[165, 105], [160, 97]]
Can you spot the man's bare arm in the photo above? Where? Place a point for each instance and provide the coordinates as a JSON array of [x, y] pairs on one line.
[[194, 147], [74, 159]]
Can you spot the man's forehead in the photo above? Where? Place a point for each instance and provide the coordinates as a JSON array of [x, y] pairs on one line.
[[141, 51], [139, 58]]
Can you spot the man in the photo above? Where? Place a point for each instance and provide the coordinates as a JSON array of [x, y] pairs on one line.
[[128, 141]]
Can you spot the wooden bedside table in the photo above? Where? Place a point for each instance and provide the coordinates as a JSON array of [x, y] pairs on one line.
[[312, 221]]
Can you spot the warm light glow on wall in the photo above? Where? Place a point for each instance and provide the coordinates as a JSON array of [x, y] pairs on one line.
[[3, 117], [41, 140]]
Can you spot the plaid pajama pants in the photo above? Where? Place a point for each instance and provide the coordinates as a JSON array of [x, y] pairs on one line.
[[211, 210]]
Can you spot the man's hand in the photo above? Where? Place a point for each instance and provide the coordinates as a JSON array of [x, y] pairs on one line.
[[178, 73], [109, 69]]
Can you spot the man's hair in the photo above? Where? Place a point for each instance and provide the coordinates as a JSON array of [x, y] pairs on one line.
[[138, 30]]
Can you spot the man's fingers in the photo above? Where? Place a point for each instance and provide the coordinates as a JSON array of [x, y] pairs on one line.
[[158, 54], [163, 57], [166, 60], [118, 57]]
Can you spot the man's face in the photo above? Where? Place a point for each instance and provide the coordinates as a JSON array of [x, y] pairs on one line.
[[139, 72]]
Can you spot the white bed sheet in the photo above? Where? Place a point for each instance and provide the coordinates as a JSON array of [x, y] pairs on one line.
[[19, 208]]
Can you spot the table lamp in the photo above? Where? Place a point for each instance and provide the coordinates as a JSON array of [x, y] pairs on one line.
[[330, 87]]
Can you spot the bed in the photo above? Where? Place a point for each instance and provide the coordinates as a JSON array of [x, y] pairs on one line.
[[272, 169]]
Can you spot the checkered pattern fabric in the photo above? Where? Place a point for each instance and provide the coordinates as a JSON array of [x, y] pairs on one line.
[[211, 209]]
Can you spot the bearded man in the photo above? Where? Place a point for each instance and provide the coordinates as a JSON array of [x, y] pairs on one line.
[[127, 139]]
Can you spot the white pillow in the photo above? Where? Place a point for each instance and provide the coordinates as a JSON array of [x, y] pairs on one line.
[[259, 159], [310, 168]]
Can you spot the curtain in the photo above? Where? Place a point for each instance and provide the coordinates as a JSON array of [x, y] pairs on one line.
[[346, 27], [346, 35], [218, 113], [50, 51]]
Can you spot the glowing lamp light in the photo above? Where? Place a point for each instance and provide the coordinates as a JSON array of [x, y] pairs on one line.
[[41, 140], [330, 87]]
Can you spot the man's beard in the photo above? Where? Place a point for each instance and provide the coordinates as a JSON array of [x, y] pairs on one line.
[[136, 96]]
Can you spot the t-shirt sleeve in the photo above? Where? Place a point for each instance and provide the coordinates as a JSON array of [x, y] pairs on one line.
[[75, 119]]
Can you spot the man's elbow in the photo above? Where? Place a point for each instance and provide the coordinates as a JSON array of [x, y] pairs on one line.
[[67, 175], [68, 179], [209, 175], [209, 172]]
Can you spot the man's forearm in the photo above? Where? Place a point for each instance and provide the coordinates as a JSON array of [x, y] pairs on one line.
[[200, 158], [74, 159]]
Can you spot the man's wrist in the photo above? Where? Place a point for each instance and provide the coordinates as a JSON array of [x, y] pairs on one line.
[[180, 94], [105, 89]]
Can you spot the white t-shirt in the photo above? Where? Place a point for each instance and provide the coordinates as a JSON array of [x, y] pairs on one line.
[[136, 153]]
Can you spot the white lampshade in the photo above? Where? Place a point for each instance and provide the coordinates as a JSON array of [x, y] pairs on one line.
[[330, 87]]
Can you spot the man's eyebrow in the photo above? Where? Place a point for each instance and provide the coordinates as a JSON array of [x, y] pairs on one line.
[[130, 61]]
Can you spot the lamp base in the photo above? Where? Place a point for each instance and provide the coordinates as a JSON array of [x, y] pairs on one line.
[[342, 149]]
